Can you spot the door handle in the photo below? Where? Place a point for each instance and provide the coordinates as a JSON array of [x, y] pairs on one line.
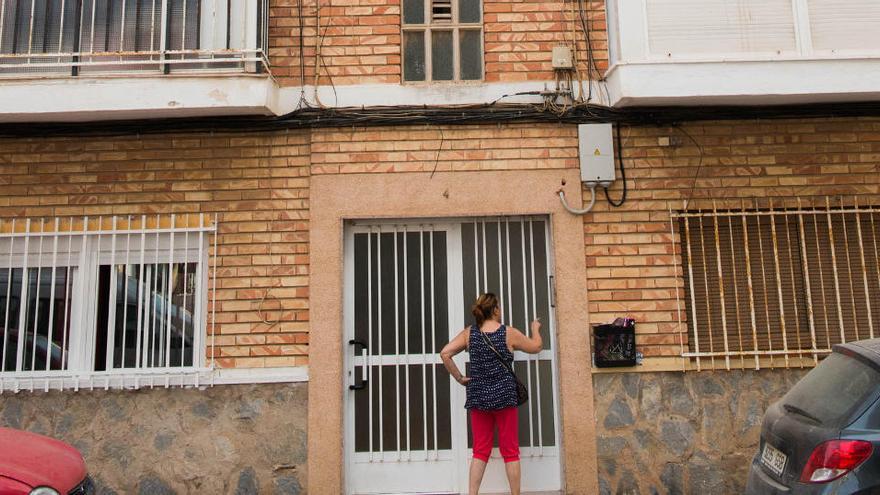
[[362, 384]]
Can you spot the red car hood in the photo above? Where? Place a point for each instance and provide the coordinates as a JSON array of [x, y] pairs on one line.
[[40, 461]]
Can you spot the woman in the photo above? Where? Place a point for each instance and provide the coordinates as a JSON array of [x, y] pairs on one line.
[[491, 388]]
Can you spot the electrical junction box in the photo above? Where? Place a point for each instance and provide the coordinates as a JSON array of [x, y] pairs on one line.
[[562, 57], [596, 150]]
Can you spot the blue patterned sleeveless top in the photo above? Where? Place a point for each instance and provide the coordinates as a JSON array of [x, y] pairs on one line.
[[492, 387]]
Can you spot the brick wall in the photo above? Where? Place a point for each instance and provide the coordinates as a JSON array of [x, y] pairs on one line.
[[360, 41], [257, 183], [520, 36], [443, 148], [633, 265]]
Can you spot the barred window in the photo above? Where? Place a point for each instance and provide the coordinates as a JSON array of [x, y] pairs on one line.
[[779, 284], [442, 40], [102, 295]]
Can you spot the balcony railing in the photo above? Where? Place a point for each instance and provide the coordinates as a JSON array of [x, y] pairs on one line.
[[52, 38]]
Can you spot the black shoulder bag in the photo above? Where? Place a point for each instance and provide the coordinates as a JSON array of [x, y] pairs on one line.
[[522, 393]]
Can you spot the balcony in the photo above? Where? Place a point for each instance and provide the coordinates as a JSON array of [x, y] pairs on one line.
[[689, 52], [147, 58]]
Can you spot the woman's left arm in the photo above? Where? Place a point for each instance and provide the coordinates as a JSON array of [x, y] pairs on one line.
[[520, 342], [456, 345]]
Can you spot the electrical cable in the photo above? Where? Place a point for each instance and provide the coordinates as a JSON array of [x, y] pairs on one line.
[[311, 118], [592, 66], [439, 149], [618, 204], [522, 93], [319, 59], [267, 294], [592, 186], [261, 311], [699, 165], [302, 59], [589, 42], [575, 58], [317, 51]]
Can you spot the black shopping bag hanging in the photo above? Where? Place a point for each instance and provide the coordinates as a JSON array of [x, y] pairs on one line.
[[614, 344]]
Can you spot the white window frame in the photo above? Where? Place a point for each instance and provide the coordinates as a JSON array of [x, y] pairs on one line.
[[89, 250], [456, 28]]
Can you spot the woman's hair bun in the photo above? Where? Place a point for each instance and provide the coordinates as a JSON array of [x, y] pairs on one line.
[[484, 306]]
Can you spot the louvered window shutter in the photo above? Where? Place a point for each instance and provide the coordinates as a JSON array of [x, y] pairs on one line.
[[787, 281], [690, 28], [850, 25], [441, 11]]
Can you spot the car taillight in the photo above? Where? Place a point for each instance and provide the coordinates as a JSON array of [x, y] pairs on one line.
[[834, 458]]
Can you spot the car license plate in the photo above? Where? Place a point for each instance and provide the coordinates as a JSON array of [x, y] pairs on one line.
[[773, 459]]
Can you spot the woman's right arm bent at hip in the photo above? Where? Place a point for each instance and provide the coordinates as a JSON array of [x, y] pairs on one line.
[[456, 345]]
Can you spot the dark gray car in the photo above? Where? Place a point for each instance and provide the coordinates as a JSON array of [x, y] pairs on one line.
[[824, 435]]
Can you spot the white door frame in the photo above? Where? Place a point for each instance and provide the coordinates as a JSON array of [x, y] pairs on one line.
[[537, 460]]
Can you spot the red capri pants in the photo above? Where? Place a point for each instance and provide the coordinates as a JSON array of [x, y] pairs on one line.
[[483, 425]]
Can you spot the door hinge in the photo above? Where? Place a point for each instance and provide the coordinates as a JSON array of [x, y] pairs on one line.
[[552, 291]]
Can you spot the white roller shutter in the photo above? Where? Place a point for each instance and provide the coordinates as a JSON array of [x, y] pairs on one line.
[[697, 28], [845, 24]]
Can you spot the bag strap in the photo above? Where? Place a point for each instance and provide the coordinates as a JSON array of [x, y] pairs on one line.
[[497, 354]]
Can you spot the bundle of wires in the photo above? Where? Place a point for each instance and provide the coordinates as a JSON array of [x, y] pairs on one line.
[[329, 117]]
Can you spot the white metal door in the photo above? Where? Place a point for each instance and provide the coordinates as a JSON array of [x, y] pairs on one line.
[[510, 257], [408, 289]]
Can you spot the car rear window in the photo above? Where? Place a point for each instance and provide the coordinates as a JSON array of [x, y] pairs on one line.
[[833, 390]]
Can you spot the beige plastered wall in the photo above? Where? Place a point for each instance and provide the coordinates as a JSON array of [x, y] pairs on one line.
[[336, 198]]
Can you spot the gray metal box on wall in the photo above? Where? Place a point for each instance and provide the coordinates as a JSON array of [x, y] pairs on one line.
[[596, 150]]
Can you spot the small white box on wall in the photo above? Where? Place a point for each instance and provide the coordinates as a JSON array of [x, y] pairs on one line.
[[562, 57], [596, 150]]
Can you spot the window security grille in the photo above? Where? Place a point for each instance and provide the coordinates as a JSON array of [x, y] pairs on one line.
[[71, 37], [110, 301], [442, 40], [779, 286]]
